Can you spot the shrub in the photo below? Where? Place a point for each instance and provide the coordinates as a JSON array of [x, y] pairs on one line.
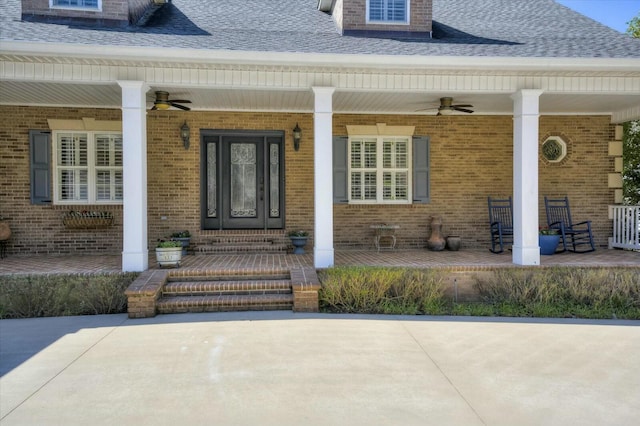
[[564, 292], [26, 296], [378, 290]]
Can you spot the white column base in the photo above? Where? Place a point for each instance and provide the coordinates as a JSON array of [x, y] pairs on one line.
[[323, 258], [526, 256], [135, 261]]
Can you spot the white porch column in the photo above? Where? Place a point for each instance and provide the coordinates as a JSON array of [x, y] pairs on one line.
[[323, 256], [135, 251], [526, 113]]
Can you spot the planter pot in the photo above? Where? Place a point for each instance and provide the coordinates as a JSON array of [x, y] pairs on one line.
[[169, 256], [548, 243], [5, 231], [185, 243], [298, 244], [436, 241], [453, 243]]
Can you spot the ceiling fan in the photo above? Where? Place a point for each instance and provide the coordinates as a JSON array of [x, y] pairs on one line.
[[447, 107], [163, 102]]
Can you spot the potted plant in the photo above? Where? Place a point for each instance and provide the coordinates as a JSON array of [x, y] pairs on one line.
[[184, 237], [298, 240], [548, 240], [169, 253]]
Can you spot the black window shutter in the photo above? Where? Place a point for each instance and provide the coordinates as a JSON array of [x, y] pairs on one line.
[[40, 155], [340, 170], [420, 169]]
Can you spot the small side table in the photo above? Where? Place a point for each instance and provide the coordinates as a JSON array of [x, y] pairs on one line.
[[385, 234]]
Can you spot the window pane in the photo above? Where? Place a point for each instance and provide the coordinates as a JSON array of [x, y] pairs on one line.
[[370, 154], [108, 150], [387, 153], [402, 186], [103, 185], [73, 185], [356, 186], [370, 186], [376, 10], [244, 200], [103, 151], [396, 10], [118, 190], [356, 154], [402, 158], [77, 3], [274, 180], [387, 187], [212, 192], [72, 150], [388, 10]]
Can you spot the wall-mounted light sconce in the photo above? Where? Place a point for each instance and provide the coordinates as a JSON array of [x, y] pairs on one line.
[[297, 135], [185, 134]]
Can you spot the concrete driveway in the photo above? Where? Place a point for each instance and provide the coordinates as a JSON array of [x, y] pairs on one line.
[[280, 368]]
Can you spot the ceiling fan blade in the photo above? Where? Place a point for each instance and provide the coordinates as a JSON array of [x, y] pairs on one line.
[[185, 101], [182, 107], [154, 107], [462, 109], [462, 106]]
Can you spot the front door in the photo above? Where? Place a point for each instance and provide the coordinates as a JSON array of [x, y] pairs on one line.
[[242, 180]]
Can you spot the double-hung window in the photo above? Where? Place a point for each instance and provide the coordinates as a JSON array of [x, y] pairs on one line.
[[388, 11], [379, 170], [76, 4], [87, 168]]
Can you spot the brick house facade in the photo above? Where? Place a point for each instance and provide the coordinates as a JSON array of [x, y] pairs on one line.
[[465, 169], [256, 66]]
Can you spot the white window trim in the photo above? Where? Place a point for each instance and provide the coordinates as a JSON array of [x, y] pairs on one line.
[[380, 170], [379, 132], [384, 22], [91, 168], [94, 9]]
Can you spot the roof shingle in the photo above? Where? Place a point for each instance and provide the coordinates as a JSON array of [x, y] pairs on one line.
[[502, 28]]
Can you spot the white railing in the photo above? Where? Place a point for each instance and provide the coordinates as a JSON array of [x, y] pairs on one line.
[[626, 227]]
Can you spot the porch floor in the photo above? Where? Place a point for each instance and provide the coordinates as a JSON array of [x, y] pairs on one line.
[[460, 260]]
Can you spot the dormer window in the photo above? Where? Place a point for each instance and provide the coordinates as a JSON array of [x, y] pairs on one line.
[[76, 4], [388, 11]]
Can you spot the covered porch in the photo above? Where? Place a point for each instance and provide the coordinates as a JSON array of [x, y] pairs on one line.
[[463, 260]]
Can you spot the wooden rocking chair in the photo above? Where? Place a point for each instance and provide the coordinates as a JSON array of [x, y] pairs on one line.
[[572, 234], [500, 223]]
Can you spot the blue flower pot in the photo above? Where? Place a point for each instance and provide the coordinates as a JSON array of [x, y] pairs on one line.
[[548, 243], [298, 244]]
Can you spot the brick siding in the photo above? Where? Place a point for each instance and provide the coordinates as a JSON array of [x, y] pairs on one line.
[[352, 15], [114, 11], [471, 158]]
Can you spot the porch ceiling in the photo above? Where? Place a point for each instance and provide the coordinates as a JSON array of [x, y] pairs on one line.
[[34, 93]]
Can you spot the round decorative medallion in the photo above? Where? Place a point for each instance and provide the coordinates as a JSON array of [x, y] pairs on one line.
[[554, 149]]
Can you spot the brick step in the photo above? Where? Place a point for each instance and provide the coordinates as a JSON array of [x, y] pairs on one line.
[[248, 287], [232, 276], [209, 303], [244, 247]]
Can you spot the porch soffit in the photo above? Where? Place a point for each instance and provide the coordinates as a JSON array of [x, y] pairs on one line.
[[306, 77], [91, 82]]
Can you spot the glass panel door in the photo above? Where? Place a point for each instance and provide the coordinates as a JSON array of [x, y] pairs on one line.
[[242, 180]]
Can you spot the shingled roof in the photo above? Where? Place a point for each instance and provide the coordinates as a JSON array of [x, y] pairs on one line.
[[463, 28]]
